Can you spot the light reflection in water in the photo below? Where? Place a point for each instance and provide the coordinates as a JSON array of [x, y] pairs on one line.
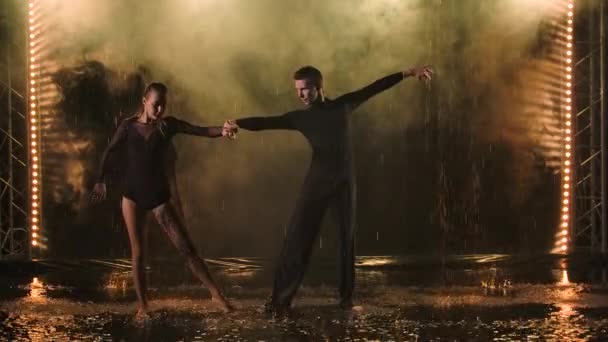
[[569, 322], [564, 280], [117, 284], [241, 275], [37, 290], [375, 261]]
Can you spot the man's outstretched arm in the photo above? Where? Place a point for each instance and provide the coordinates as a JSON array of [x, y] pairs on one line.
[[259, 123], [356, 98]]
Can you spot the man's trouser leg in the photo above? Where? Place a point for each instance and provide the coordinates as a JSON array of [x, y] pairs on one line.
[[344, 209], [297, 247]]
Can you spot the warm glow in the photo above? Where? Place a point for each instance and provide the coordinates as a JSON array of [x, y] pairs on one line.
[[567, 138], [33, 128], [564, 281]]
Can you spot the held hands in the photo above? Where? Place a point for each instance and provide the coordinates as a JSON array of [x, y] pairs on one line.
[[98, 194], [230, 129], [423, 73]]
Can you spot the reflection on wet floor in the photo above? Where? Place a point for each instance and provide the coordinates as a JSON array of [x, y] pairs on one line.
[[477, 298]]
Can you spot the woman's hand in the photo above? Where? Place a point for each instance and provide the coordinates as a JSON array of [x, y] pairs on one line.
[[230, 129], [98, 194]]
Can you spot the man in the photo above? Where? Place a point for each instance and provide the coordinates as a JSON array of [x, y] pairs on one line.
[[329, 182]]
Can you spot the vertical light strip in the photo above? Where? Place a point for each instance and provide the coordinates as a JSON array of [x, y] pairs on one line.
[[563, 240], [34, 124]]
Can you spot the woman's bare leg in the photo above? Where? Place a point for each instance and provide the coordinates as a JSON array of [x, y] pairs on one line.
[[135, 222], [167, 217]]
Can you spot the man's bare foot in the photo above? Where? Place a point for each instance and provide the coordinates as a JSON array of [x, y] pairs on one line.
[[357, 308], [223, 303]]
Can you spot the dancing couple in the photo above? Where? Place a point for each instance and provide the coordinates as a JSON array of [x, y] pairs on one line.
[[146, 140]]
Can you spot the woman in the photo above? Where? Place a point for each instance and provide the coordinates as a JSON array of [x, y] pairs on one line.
[[147, 140]]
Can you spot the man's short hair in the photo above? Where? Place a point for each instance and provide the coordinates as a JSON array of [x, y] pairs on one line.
[[309, 73]]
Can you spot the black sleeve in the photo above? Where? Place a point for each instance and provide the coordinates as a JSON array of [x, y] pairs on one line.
[[176, 126], [356, 98], [284, 121], [117, 140]]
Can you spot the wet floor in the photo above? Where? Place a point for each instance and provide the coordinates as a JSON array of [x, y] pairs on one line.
[[458, 298]]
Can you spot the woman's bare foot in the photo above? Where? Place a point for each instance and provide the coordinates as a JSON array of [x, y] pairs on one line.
[[142, 314], [223, 303]]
